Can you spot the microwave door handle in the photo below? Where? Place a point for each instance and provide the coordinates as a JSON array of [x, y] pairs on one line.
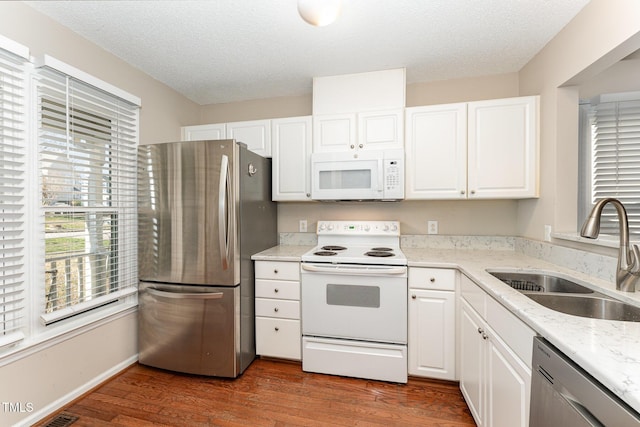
[[380, 175]]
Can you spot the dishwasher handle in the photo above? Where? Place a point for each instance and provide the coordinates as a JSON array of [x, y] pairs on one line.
[[185, 295]]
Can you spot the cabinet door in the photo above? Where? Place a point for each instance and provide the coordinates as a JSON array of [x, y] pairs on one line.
[[278, 338], [472, 360], [204, 132], [334, 132], [508, 386], [291, 150], [432, 334], [436, 149], [255, 133], [503, 148], [378, 130]]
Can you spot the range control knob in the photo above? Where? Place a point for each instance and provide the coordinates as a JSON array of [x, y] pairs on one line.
[[394, 227]]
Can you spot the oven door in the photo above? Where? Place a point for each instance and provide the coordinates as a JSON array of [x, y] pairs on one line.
[[357, 302]]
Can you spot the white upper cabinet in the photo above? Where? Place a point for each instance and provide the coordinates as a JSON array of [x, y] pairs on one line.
[[204, 132], [436, 152], [371, 130], [291, 148], [503, 148], [477, 150], [363, 111], [255, 133]]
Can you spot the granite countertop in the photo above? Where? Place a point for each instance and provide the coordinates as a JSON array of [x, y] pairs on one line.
[[608, 350]]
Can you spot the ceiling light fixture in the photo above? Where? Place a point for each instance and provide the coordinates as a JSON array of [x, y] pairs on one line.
[[319, 12]]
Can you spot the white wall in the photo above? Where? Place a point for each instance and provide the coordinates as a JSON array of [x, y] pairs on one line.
[[602, 34]]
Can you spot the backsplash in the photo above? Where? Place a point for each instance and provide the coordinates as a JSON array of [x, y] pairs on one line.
[[600, 266]]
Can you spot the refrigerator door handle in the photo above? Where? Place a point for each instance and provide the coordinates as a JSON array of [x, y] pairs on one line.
[[223, 226], [178, 295]]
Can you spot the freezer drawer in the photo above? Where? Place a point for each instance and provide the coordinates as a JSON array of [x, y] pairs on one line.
[[191, 329]]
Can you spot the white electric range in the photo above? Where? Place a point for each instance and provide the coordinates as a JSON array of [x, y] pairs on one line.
[[354, 301]]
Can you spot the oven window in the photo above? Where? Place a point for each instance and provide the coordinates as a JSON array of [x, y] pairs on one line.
[[353, 295], [353, 178]]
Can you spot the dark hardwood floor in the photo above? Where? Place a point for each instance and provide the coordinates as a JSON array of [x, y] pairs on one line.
[[269, 393]]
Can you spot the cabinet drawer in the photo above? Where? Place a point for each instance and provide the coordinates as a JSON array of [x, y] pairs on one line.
[[513, 331], [278, 338], [278, 270], [439, 279], [473, 294], [282, 308], [277, 289]]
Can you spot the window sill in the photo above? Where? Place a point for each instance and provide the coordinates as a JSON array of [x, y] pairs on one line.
[[62, 333], [605, 241]]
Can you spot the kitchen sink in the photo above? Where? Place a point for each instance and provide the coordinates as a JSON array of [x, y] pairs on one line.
[[539, 282], [566, 296], [595, 307]]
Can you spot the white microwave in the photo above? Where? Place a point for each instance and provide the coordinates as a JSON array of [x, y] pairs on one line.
[[363, 175]]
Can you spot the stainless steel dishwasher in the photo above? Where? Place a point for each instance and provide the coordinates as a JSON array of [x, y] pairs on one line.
[[564, 395]]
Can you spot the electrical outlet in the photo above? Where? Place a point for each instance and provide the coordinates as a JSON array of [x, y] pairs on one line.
[[547, 233], [432, 227], [303, 226]]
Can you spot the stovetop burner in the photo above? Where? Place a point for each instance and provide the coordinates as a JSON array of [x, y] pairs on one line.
[[379, 254], [325, 253], [333, 248], [382, 249]]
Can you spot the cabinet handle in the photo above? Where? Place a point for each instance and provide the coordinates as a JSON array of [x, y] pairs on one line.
[[353, 146], [413, 297], [473, 191], [276, 329], [432, 280], [480, 330], [276, 290], [275, 271], [484, 336], [276, 309], [360, 146], [462, 192]]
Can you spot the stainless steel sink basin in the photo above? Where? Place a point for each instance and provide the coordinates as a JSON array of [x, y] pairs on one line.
[[595, 307], [539, 282], [566, 296]]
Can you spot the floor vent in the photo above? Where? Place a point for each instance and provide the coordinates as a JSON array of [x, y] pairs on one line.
[[62, 420]]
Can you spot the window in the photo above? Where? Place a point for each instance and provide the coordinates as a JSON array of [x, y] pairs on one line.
[[12, 191], [87, 160], [610, 158]]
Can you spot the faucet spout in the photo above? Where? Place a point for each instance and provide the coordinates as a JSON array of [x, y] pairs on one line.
[[628, 270]]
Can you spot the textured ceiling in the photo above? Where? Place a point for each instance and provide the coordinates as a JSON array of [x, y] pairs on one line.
[[220, 51]]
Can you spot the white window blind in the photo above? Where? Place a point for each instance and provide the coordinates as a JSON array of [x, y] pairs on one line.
[[12, 196], [87, 158], [615, 160]]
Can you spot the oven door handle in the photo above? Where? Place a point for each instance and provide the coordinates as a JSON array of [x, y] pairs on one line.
[[333, 269]]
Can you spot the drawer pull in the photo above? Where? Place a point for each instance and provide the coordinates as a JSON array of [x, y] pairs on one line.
[[276, 329], [276, 309], [276, 290], [484, 336], [413, 297], [275, 271], [480, 330], [432, 280]]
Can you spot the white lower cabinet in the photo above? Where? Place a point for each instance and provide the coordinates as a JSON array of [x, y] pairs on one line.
[[432, 318], [278, 309], [495, 375]]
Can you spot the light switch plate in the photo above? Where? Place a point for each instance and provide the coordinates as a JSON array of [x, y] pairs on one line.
[[303, 226]]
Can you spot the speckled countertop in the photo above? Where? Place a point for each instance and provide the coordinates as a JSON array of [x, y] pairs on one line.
[[608, 350]]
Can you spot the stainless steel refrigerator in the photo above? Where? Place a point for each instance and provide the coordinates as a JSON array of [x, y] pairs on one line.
[[204, 208]]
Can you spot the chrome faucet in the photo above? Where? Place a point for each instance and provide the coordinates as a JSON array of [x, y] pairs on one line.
[[628, 270]]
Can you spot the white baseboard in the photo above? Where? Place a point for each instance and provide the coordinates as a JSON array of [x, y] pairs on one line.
[[64, 400]]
